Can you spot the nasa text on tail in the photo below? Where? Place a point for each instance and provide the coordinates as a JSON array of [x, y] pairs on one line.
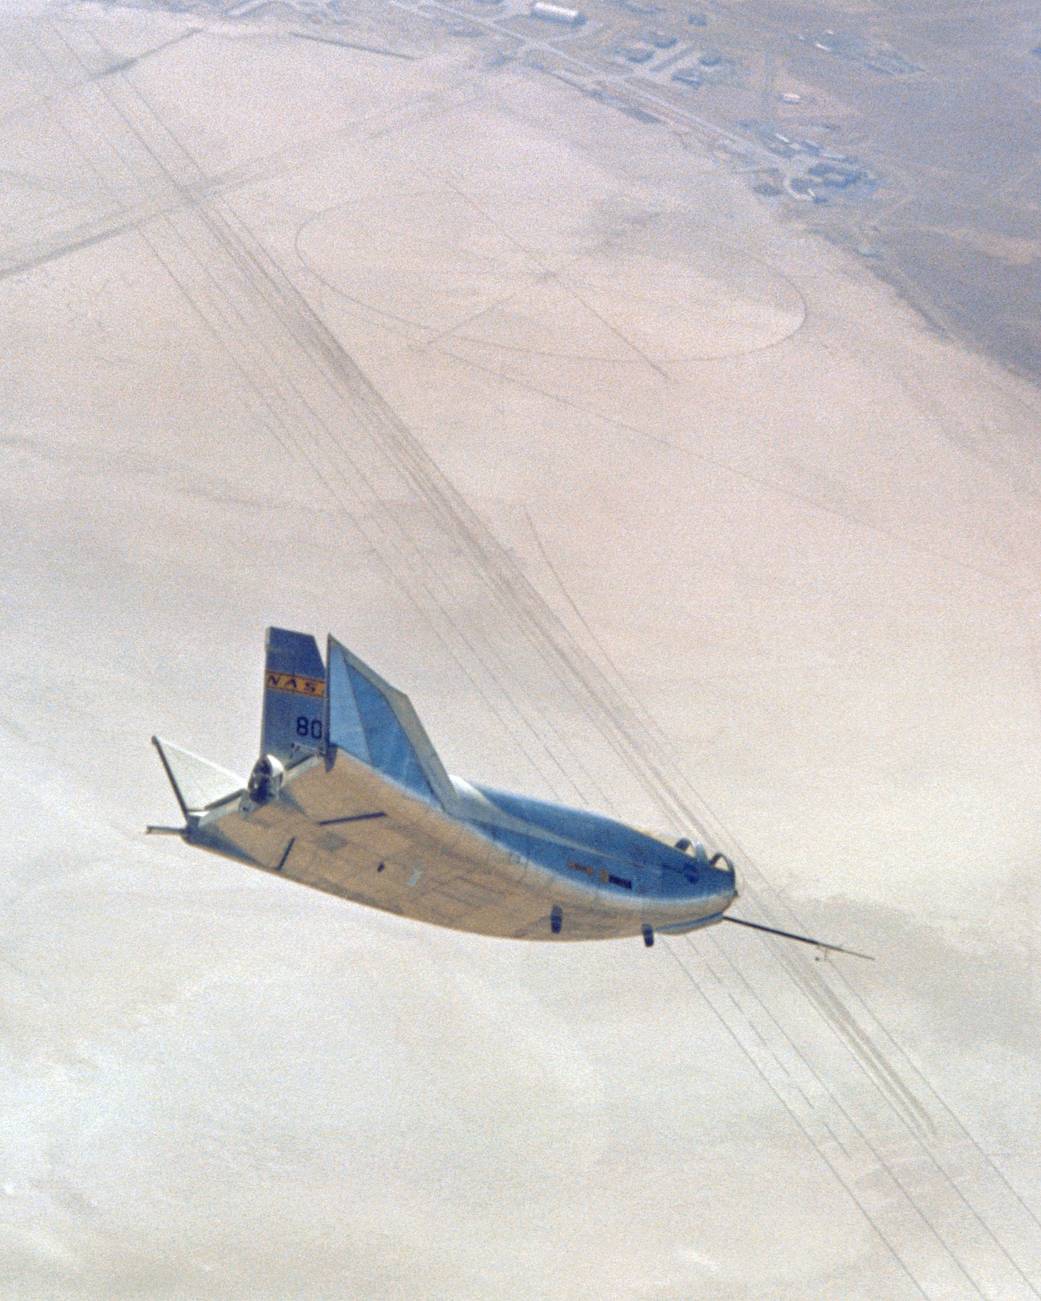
[[350, 797]]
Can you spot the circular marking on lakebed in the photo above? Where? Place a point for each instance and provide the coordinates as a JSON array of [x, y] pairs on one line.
[[433, 263]]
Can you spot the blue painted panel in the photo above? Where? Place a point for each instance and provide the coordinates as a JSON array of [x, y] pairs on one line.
[[602, 834], [293, 652], [294, 686], [346, 729], [363, 722], [390, 749], [609, 851]]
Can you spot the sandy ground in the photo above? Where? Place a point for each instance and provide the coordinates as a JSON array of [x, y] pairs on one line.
[[651, 504]]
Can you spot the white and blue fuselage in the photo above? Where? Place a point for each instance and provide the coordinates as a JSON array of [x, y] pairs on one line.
[[350, 797]]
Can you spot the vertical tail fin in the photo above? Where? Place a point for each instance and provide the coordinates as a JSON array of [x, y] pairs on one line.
[[294, 696], [371, 720]]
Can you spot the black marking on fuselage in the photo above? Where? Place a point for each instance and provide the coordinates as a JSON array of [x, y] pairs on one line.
[[354, 817], [600, 874], [285, 854]]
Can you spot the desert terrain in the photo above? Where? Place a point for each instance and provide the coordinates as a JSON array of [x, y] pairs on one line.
[[654, 500]]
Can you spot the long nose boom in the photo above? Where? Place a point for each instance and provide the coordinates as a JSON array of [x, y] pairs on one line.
[[802, 939]]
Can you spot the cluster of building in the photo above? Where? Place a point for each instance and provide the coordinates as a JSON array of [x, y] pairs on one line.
[[648, 44], [644, 50], [708, 66], [814, 170], [829, 170]]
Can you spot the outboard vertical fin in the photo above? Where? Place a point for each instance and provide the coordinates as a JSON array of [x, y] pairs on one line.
[[197, 783], [374, 722], [294, 696]]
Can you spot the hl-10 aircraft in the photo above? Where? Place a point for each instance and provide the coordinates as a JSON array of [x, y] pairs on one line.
[[350, 797]]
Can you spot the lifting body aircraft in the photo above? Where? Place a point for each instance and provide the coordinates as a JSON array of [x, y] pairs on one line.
[[349, 796]]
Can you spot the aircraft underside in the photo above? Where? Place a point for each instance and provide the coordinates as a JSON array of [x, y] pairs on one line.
[[349, 832]]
